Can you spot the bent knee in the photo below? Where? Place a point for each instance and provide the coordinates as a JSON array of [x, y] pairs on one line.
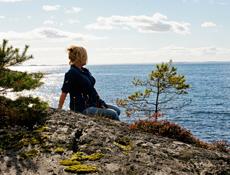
[[112, 114]]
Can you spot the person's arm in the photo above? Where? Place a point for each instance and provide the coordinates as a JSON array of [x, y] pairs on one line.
[[65, 89], [62, 100], [100, 103]]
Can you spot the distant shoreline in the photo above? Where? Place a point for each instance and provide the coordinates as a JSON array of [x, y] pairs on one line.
[[177, 63]]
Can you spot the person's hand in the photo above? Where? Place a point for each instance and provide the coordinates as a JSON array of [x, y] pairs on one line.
[[102, 104]]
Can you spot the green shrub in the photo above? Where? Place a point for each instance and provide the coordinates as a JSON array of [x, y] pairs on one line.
[[24, 111]]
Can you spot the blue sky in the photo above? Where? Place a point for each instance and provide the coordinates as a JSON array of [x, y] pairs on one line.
[[121, 31]]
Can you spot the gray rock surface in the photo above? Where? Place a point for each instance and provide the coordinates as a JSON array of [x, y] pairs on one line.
[[124, 151]]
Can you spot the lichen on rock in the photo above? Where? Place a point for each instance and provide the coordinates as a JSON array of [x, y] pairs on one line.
[[69, 162], [59, 150], [124, 143], [29, 154], [102, 146], [82, 156], [81, 169]]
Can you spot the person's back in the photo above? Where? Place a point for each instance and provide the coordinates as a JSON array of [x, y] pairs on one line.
[[79, 83]]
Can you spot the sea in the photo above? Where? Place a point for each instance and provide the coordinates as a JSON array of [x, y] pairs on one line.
[[207, 115]]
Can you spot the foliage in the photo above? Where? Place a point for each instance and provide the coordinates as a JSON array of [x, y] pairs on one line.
[[167, 129], [26, 111], [10, 56], [221, 145], [161, 88], [18, 138], [17, 81]]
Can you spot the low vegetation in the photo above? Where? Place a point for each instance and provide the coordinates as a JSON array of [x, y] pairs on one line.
[[158, 93], [26, 111]]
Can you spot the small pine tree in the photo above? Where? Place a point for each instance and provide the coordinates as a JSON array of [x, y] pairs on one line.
[[162, 87], [15, 80], [19, 110]]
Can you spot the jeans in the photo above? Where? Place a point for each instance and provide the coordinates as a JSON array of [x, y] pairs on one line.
[[111, 112]]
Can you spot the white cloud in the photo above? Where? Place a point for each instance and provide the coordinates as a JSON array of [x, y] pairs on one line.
[[52, 23], [72, 21], [142, 23], [208, 24], [48, 22], [47, 33], [219, 2], [50, 7], [176, 53], [13, 0], [2, 17], [73, 10]]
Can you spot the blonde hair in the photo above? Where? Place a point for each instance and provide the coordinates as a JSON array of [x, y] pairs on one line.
[[77, 54]]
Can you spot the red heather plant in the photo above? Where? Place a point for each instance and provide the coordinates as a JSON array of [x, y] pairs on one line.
[[221, 145], [167, 129]]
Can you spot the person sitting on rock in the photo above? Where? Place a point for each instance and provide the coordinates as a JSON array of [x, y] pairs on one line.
[[79, 83]]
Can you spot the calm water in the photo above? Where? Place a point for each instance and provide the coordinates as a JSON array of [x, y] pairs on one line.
[[207, 116]]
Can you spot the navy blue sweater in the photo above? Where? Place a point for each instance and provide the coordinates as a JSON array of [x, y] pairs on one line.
[[79, 83]]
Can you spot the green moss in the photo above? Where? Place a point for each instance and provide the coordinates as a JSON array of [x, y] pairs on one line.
[[123, 140], [59, 150], [34, 141], [26, 142], [10, 140], [81, 169], [82, 156], [123, 147], [46, 148], [29, 154], [44, 137], [41, 129], [69, 162], [124, 144]]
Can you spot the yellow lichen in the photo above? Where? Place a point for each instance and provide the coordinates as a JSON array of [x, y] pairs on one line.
[[29, 154], [44, 137], [82, 156], [59, 150], [34, 141], [41, 129], [69, 162], [124, 144], [81, 169], [26, 142], [123, 147]]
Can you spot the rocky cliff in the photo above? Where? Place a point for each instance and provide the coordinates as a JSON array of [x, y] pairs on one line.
[[70, 143]]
